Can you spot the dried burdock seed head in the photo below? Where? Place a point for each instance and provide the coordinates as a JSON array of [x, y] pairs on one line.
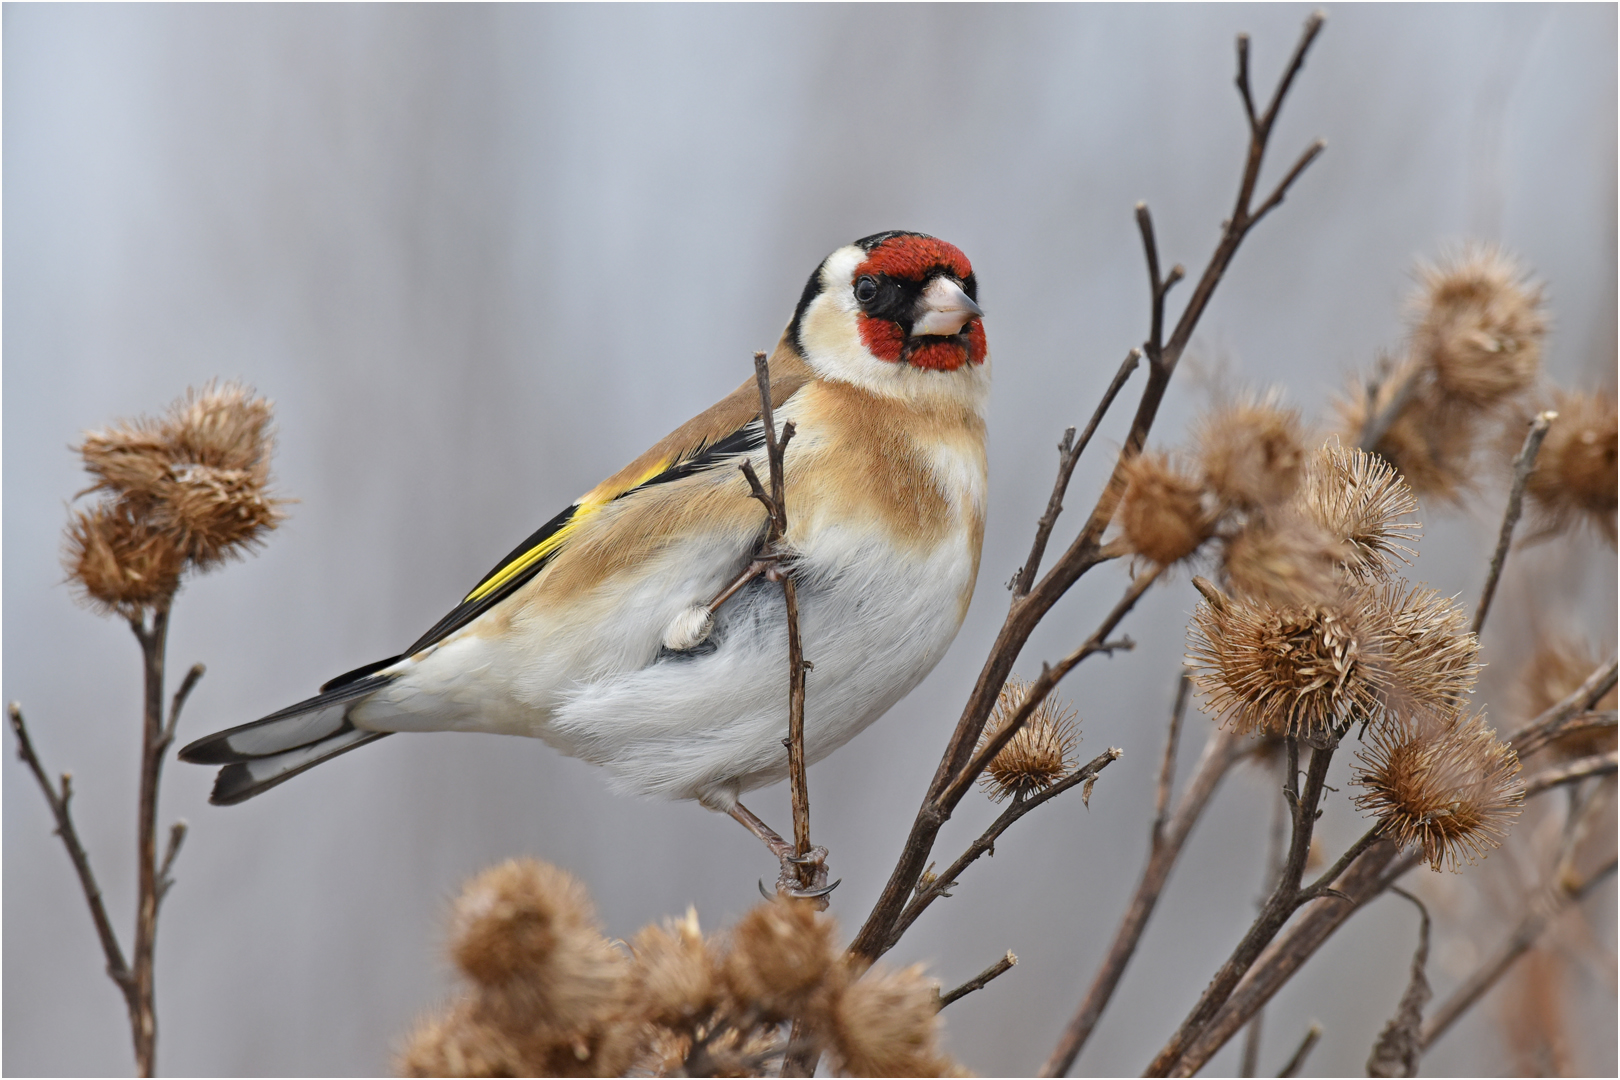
[[119, 561], [1558, 667], [200, 474], [1478, 327], [1039, 755], [1359, 499], [459, 1044], [1162, 516], [887, 1024], [1252, 452], [1575, 480], [781, 953], [1282, 560], [1428, 660], [673, 979], [1442, 781], [1281, 671], [1431, 443], [525, 933]]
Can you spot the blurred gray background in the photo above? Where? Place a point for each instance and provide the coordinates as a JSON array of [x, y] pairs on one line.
[[481, 256]]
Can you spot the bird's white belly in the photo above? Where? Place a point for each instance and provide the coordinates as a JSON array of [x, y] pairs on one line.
[[709, 724]]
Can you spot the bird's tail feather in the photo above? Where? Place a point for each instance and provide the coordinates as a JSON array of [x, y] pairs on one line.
[[260, 755], [244, 779]]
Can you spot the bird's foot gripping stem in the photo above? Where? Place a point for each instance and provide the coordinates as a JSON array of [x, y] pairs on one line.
[[803, 877]]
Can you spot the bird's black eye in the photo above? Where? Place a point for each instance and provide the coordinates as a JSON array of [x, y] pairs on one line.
[[865, 290]]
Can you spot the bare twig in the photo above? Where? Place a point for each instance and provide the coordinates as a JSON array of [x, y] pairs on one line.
[[981, 980], [1380, 420], [1552, 723], [1570, 772], [1167, 766], [1069, 453], [154, 744], [1522, 467], [187, 685], [1281, 816], [1285, 899], [986, 842], [1543, 911], [1306, 1045], [177, 836], [58, 801], [1221, 751], [1399, 1047]]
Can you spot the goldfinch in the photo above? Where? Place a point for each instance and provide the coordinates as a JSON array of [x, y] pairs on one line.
[[596, 633]]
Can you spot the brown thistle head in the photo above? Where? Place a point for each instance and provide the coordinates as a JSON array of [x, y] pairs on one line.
[[1282, 559], [1431, 443], [674, 981], [1039, 755], [1360, 500], [781, 957], [1162, 516], [1428, 658], [187, 490], [1478, 327], [1441, 781], [887, 1024], [1282, 671], [1252, 452], [1575, 479]]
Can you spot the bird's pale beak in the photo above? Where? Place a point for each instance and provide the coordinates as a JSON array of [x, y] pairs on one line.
[[945, 308]]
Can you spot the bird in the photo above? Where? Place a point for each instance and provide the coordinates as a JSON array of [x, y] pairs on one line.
[[628, 631]]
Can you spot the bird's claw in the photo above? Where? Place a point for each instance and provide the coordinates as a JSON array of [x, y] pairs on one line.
[[795, 883]]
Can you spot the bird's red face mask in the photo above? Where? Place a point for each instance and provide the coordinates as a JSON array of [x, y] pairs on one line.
[[917, 305]]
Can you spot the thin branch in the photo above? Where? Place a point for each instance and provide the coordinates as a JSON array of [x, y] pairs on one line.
[[187, 685], [1243, 81], [1081, 555], [1522, 467], [981, 980], [1306, 1045], [1552, 723], [1568, 773], [1542, 913], [1221, 751], [117, 969], [986, 842], [1069, 453], [1323, 885], [1167, 766], [1311, 153], [1379, 421], [177, 836], [1282, 903]]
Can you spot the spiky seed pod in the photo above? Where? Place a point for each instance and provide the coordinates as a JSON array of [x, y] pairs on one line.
[[887, 1024], [1282, 559], [201, 473], [1553, 673], [1039, 755], [1429, 659], [459, 1044], [525, 933], [118, 561], [673, 979], [1252, 452], [1360, 499], [1575, 478], [1442, 781], [1478, 327], [1431, 443], [781, 953], [1162, 516], [1281, 671]]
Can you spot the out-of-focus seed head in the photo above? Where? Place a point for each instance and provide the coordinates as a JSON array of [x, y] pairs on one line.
[[1282, 559], [459, 1044], [887, 1024], [1162, 516], [1359, 499], [1041, 752], [1431, 443], [1252, 452], [1442, 781], [1429, 659], [673, 979], [781, 954], [1575, 480], [1557, 668], [1478, 327], [118, 561], [1282, 671], [525, 932]]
